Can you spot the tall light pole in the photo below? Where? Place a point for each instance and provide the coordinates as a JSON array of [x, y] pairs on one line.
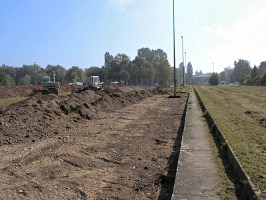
[[185, 59], [213, 67], [186, 64], [174, 46], [183, 63]]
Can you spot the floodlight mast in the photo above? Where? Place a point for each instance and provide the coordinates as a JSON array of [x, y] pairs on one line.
[[174, 46], [183, 63]]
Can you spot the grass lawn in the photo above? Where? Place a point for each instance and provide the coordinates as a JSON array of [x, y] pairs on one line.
[[240, 113], [8, 101]]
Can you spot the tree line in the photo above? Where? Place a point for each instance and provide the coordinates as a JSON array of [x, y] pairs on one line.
[[148, 67], [244, 74]]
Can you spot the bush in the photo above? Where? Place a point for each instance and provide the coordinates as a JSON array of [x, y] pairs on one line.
[[214, 79]]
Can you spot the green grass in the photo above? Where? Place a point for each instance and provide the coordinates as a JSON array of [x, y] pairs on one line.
[[4, 103], [225, 188], [188, 88], [240, 113], [65, 94]]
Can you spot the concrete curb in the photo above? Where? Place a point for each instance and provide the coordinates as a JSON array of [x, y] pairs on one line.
[[248, 188], [171, 174]]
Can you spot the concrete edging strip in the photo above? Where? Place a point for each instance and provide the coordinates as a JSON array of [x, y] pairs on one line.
[[248, 187]]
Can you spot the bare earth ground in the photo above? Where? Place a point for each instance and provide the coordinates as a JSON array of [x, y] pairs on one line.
[[25, 90], [115, 146]]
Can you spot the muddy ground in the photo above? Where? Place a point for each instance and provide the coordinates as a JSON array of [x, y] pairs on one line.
[[111, 144]]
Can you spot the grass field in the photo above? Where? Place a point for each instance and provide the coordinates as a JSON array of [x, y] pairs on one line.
[[8, 101], [240, 113]]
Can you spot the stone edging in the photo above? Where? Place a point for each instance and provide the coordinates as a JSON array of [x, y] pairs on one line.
[[248, 188]]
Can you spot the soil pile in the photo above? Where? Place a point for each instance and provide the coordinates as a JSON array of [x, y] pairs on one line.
[[43, 116], [17, 91], [113, 144], [23, 91]]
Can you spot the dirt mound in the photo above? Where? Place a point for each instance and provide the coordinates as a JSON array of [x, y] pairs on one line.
[[43, 116], [121, 153], [17, 91], [68, 88], [23, 91]]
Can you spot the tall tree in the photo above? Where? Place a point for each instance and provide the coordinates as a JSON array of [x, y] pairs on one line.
[[60, 72], [147, 54], [75, 74], [214, 79], [12, 71], [263, 79], [34, 72], [263, 65], [6, 79], [145, 68], [189, 73], [108, 58], [158, 58], [24, 80], [180, 73], [165, 71], [96, 71], [242, 68], [117, 70], [222, 76]]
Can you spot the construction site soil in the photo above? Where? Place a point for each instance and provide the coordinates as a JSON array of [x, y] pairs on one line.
[[110, 144], [26, 90]]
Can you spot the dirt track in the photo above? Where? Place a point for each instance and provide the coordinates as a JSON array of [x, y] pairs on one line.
[[120, 154]]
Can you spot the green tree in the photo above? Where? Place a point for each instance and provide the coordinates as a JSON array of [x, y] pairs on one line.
[[148, 54], [75, 74], [158, 58], [242, 68], [96, 71], [180, 73], [108, 58], [263, 79], [60, 72], [121, 63], [222, 76], [133, 71], [189, 73], [228, 72], [6, 79], [24, 80], [255, 78], [117, 67], [34, 72], [263, 65], [12, 71], [214, 79], [145, 69], [165, 71]]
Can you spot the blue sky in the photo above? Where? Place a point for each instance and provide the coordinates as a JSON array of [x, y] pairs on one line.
[[79, 32]]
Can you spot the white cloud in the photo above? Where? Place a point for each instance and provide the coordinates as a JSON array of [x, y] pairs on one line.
[[245, 39]]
